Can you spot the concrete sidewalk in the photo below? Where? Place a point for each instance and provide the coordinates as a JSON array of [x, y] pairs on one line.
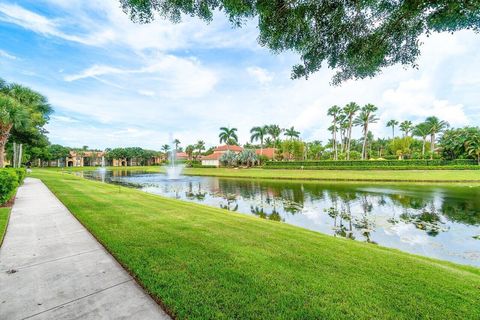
[[51, 267]]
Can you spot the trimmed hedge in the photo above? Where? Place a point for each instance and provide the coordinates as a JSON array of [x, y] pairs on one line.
[[371, 164], [468, 167], [10, 179]]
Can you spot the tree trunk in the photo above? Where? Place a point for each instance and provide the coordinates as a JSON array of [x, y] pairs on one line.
[[2, 153], [432, 145], [364, 146], [349, 138], [4, 134], [335, 157]]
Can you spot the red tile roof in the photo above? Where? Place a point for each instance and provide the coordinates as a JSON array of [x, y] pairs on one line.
[[182, 155], [225, 148], [213, 156], [267, 152]]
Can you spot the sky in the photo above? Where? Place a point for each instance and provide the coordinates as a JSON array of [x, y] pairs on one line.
[[113, 83]]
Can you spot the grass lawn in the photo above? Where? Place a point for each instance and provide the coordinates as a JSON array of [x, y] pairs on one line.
[[4, 213], [325, 175], [202, 262]]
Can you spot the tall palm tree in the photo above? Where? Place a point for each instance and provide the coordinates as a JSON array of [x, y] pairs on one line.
[[274, 131], [200, 146], [259, 133], [176, 142], [334, 111], [189, 151], [366, 116], [392, 123], [435, 126], [228, 135], [165, 148], [343, 127], [350, 110], [422, 130], [292, 133], [406, 126]]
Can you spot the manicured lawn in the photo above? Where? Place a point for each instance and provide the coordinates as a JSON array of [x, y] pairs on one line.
[[205, 263], [4, 213], [326, 175]]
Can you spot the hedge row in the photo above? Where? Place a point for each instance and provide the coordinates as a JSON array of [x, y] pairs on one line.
[[325, 164], [10, 179], [457, 167]]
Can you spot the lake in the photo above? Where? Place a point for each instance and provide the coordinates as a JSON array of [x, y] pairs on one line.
[[439, 221]]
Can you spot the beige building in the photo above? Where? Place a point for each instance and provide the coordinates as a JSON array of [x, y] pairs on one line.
[[85, 159]]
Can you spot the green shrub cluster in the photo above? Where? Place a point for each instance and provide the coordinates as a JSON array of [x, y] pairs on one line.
[[372, 164], [467, 167], [10, 179]]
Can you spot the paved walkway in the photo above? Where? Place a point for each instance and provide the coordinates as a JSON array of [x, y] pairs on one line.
[[52, 268]]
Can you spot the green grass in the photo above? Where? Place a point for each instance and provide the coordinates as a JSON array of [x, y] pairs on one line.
[[4, 213], [320, 175], [207, 263]]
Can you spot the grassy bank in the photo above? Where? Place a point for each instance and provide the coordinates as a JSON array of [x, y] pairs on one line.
[[4, 214], [320, 175], [203, 262]]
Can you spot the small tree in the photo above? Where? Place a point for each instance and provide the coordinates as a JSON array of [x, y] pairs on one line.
[[229, 159]]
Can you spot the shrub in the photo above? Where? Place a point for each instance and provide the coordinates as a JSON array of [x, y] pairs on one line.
[[373, 164], [8, 185], [459, 167], [21, 173]]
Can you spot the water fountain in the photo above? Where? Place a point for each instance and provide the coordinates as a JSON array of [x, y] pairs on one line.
[[102, 170], [174, 170]]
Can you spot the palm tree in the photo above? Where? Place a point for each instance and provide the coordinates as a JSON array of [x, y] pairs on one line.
[[176, 142], [406, 126], [366, 117], [343, 124], [259, 133], [472, 145], [200, 146], [392, 123], [435, 126], [422, 130], [189, 151], [274, 131], [350, 110], [228, 135], [269, 142], [334, 112], [20, 109], [292, 133]]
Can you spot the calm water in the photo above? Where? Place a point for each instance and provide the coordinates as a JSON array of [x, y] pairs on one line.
[[436, 221]]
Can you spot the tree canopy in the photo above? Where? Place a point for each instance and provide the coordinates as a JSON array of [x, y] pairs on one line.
[[357, 38]]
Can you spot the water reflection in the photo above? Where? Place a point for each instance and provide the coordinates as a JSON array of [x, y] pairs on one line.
[[436, 221]]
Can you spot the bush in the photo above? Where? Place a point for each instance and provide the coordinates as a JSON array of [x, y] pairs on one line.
[[373, 164], [467, 167], [9, 182], [21, 173]]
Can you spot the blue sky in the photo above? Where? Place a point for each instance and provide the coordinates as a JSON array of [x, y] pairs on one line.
[[114, 83]]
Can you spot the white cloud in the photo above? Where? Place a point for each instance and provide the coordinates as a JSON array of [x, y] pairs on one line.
[[416, 99], [5, 54], [147, 93], [261, 75], [64, 119], [27, 19], [172, 76]]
